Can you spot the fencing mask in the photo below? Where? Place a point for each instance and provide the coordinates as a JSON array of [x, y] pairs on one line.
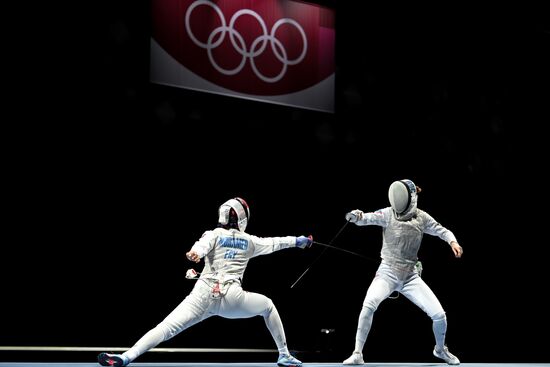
[[402, 195], [234, 213]]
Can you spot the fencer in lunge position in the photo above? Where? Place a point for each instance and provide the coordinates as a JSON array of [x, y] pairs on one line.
[[403, 227], [226, 251]]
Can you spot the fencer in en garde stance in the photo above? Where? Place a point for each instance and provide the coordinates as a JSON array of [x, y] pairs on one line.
[[403, 227], [226, 251]]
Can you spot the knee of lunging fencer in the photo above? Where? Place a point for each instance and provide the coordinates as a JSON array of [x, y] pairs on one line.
[[269, 307], [370, 306]]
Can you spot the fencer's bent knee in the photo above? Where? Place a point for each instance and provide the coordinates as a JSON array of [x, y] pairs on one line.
[[370, 306], [269, 306], [439, 316], [372, 303]]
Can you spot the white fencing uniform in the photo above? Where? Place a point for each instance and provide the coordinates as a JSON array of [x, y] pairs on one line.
[[402, 237], [218, 290]]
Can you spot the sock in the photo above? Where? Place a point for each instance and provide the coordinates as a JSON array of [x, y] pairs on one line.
[[440, 328]]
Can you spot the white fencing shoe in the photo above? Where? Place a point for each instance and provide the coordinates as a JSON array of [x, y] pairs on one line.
[[356, 358], [445, 355]]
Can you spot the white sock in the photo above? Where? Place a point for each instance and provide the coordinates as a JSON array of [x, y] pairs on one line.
[[440, 328]]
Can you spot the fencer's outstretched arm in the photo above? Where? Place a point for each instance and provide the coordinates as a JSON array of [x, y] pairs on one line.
[[267, 245], [262, 246], [360, 218]]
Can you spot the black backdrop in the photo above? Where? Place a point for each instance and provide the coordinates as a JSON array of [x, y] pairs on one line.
[[109, 180]]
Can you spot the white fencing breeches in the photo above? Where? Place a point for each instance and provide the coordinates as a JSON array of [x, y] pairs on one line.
[[200, 305], [411, 286]]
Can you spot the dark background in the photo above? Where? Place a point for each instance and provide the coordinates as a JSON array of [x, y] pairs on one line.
[[109, 180]]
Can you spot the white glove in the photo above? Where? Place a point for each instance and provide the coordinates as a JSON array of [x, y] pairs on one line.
[[354, 215], [191, 273]]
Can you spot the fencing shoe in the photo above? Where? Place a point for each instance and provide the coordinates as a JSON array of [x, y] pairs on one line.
[[286, 360], [445, 355], [356, 358], [112, 360]]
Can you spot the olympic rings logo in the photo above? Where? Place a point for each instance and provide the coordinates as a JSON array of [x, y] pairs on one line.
[[257, 47]]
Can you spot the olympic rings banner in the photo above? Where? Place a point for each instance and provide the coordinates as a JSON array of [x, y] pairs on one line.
[[276, 51]]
